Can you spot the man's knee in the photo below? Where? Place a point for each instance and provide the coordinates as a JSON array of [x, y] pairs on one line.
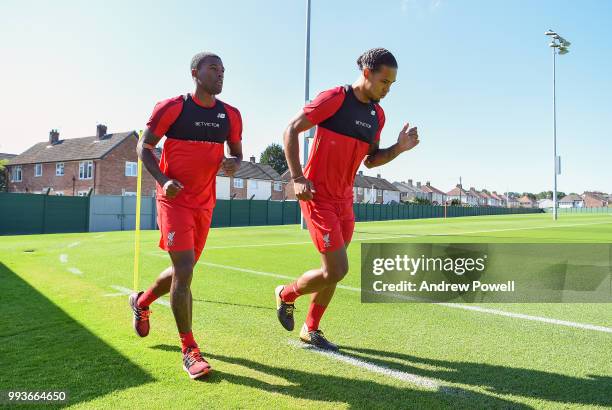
[[334, 274]]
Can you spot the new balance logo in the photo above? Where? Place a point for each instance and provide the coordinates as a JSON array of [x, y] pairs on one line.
[[363, 124], [221, 115], [207, 124], [171, 238], [373, 112]]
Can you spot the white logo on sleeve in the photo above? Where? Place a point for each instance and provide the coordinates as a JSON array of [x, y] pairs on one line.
[[221, 115], [373, 112], [326, 241], [171, 238]]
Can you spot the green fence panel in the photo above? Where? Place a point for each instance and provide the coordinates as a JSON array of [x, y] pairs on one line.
[[221, 214], [36, 214], [240, 213]]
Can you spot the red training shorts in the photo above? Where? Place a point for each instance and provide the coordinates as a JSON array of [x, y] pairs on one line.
[[183, 228], [330, 223]]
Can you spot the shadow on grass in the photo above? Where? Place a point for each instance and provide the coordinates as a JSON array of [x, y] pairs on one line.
[[43, 348], [559, 388], [307, 383], [218, 302]]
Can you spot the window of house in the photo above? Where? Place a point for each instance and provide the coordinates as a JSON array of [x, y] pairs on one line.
[[37, 170], [238, 183], [379, 192], [85, 169], [16, 173], [82, 193], [360, 190], [278, 186], [131, 169], [59, 169]]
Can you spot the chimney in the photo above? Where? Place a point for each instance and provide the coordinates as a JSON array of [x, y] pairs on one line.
[[361, 173], [53, 137], [100, 131], [378, 176], [458, 186], [252, 159], [410, 182], [428, 183], [472, 189], [418, 185]]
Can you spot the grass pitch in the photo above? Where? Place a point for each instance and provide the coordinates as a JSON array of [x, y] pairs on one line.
[[65, 325]]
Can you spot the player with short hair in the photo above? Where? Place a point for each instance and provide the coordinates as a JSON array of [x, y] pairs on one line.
[[196, 126], [348, 122]]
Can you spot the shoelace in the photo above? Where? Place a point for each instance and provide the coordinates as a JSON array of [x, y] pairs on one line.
[[289, 309], [141, 314], [192, 356]]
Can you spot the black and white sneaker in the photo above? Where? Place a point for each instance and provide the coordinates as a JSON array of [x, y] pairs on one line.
[[317, 339]]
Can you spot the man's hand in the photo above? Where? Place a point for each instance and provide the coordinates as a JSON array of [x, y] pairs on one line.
[[303, 188], [172, 188], [230, 165], [408, 138]]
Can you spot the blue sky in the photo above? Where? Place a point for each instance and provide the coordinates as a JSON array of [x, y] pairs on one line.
[[474, 76]]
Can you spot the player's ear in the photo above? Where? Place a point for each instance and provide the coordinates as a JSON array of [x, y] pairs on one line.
[[194, 73], [367, 72]]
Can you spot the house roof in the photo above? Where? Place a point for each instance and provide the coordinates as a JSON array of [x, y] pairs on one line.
[[600, 196], [455, 192], [6, 156], [72, 149], [405, 187], [571, 198], [496, 196], [250, 170], [525, 199], [364, 181], [429, 188]]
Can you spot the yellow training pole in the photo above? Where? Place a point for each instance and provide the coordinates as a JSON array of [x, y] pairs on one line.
[[137, 229]]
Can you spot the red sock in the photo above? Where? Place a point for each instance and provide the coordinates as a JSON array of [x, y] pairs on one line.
[[315, 313], [290, 293], [146, 299], [187, 341]]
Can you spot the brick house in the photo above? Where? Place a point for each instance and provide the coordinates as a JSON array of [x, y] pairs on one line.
[[374, 190], [526, 202], [571, 201], [252, 180], [105, 163], [596, 200], [409, 192], [436, 196]]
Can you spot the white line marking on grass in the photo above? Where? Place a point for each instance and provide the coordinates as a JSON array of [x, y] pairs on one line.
[[479, 309], [75, 271], [374, 368], [125, 291], [398, 236], [63, 258], [98, 236], [73, 244], [529, 317]]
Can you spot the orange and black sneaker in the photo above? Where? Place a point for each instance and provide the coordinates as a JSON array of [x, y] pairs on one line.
[[141, 316], [194, 364]]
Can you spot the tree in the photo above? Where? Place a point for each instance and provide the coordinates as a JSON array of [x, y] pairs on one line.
[[274, 156], [421, 201], [3, 175], [455, 202]]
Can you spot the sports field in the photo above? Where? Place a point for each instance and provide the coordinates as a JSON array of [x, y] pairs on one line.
[[65, 325]]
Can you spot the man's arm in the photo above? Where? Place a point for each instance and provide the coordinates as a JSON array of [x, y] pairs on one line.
[[145, 148], [232, 162], [302, 186], [408, 138]]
